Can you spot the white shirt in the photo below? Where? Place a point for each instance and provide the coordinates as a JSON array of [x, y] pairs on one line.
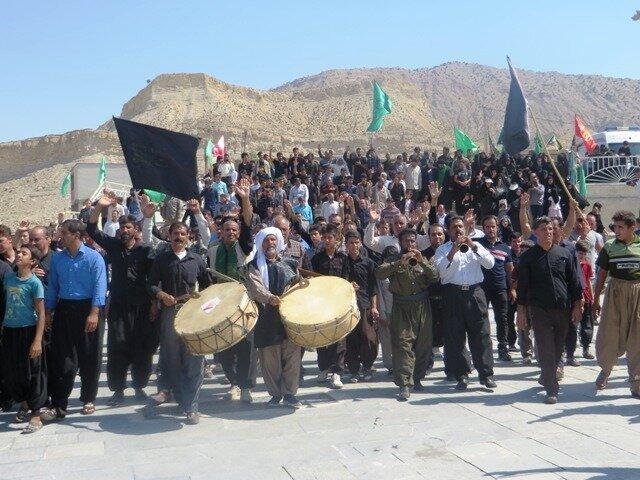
[[329, 208], [441, 218], [110, 228], [301, 190], [413, 177], [378, 244], [465, 268]]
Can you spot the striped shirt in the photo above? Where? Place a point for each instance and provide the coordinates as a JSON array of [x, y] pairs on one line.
[[621, 260]]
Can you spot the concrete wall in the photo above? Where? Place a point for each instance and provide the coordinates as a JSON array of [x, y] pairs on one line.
[[613, 197]]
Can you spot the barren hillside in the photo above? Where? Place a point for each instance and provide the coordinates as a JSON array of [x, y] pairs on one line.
[[333, 108]]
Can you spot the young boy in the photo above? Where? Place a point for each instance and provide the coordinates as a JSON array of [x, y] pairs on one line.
[[586, 325], [24, 368]]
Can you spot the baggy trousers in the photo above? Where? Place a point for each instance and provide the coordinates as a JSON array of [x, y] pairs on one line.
[[385, 341], [73, 350], [280, 365], [25, 379], [550, 331], [181, 372], [619, 330], [132, 339], [411, 340], [239, 363], [466, 314], [362, 344]]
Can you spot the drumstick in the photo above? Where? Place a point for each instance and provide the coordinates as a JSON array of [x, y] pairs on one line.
[[309, 273], [223, 276]]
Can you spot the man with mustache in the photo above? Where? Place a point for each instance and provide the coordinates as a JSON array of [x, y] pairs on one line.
[[460, 262], [174, 275], [133, 336]]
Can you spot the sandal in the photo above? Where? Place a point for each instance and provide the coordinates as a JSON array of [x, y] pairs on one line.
[[52, 414], [22, 415], [32, 428], [88, 408]]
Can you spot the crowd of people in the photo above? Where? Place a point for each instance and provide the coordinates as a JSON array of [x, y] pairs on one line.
[[428, 242]]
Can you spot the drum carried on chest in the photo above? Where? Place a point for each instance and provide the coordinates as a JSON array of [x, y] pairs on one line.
[[219, 318], [320, 312]]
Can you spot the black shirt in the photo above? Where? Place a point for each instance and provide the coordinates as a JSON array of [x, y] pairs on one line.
[[129, 268], [436, 290], [335, 266], [548, 279], [361, 270], [176, 276], [5, 269]]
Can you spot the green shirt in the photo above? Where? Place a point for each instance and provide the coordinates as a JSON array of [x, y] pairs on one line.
[[407, 280], [621, 260]]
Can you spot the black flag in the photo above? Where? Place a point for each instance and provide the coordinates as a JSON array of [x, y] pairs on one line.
[[159, 159], [515, 131]]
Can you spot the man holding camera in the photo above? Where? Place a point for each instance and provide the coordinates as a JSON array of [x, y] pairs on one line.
[[460, 262]]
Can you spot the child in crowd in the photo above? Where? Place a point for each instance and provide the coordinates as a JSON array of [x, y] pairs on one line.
[[24, 368], [586, 325]]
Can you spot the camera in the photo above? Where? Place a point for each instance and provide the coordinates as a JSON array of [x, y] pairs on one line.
[[413, 262], [464, 248]]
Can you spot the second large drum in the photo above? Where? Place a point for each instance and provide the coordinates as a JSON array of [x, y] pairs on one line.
[[320, 312]]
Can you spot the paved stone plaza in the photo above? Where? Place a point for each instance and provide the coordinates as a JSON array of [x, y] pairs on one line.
[[358, 432]]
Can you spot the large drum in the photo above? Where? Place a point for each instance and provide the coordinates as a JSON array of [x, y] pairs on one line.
[[320, 312], [219, 318]]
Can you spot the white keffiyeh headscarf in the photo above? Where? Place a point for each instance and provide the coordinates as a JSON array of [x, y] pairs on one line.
[[258, 251]]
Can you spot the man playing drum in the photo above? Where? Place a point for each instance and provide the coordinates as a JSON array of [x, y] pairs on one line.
[[268, 276], [173, 277], [410, 326]]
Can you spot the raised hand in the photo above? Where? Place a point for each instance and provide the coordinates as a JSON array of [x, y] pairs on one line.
[[470, 218], [107, 199], [374, 214], [148, 208], [434, 190], [524, 199], [242, 189]]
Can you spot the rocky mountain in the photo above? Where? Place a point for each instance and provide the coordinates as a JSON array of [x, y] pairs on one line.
[[333, 108]]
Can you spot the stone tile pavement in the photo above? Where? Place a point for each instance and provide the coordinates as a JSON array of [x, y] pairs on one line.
[[358, 432]]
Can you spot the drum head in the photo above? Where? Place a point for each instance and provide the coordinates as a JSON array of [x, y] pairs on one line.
[[323, 300], [216, 303]]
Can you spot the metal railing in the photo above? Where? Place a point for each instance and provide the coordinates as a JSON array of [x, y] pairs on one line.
[[611, 169]]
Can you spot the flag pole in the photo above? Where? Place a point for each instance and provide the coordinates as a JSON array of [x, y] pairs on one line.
[[551, 160]]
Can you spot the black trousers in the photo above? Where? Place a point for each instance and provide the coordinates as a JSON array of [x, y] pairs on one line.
[[550, 331], [331, 357], [437, 319], [239, 363], [132, 339], [586, 331], [73, 350], [362, 344], [500, 301], [24, 378], [512, 333], [466, 314]]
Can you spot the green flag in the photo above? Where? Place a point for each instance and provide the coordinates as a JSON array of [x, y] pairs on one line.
[[102, 171], [492, 147], [538, 147], [555, 143], [208, 153], [573, 173], [582, 180], [155, 197], [381, 107], [66, 183], [463, 142]]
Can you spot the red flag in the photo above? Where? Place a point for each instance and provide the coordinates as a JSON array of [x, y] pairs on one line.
[[582, 132], [218, 149]]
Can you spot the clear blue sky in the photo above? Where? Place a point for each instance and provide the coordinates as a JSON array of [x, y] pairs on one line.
[[72, 64]]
